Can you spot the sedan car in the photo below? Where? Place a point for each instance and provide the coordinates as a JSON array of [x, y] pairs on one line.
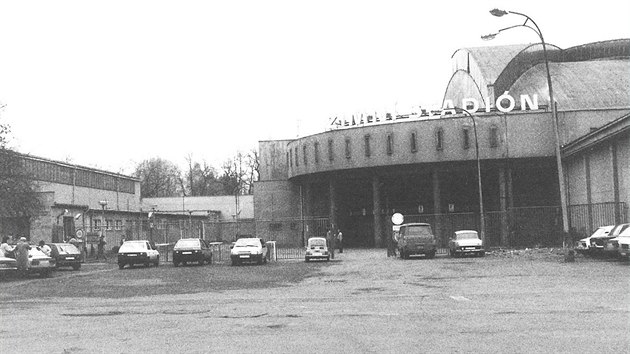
[[622, 243], [251, 249], [66, 255], [316, 249], [40, 263], [137, 252], [7, 266], [599, 245], [191, 250], [584, 245], [466, 242]]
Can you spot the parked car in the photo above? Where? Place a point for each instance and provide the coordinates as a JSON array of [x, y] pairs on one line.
[[191, 250], [137, 252], [584, 245], [598, 244], [66, 255], [622, 243], [416, 239], [40, 263], [466, 242], [316, 248], [250, 249], [7, 266]]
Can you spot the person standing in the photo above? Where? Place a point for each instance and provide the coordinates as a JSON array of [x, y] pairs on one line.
[[44, 248], [331, 238], [340, 241], [5, 249], [21, 255], [101, 248]]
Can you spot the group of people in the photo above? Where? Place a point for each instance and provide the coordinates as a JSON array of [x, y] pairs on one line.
[[334, 240], [19, 251]]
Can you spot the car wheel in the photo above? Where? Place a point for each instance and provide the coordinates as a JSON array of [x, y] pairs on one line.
[[157, 261], [147, 265], [176, 264], [76, 266], [201, 262], [45, 273], [431, 254], [306, 259], [234, 262], [121, 265], [482, 253]]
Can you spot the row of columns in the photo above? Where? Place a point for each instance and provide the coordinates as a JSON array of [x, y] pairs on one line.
[[379, 232]]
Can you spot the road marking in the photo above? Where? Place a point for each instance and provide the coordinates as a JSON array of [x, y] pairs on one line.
[[460, 298]]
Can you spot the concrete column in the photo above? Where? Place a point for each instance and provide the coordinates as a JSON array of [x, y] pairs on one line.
[[437, 202], [332, 195], [376, 211], [587, 174], [503, 203], [307, 211], [615, 175]]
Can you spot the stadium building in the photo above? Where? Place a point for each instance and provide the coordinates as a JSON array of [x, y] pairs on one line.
[[357, 174]]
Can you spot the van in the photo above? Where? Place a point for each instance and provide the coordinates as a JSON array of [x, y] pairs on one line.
[[416, 239]]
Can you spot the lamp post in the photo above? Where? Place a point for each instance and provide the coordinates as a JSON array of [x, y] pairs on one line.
[[554, 112], [482, 222]]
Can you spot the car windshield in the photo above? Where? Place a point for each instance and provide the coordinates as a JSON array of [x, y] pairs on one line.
[[418, 230], [190, 243], [601, 231], [247, 242], [133, 247], [67, 248], [316, 242], [466, 236]]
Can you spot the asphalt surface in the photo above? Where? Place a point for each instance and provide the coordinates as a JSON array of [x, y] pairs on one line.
[[362, 302]]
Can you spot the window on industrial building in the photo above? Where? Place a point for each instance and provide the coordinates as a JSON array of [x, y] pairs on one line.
[[291, 157], [304, 154], [367, 145], [97, 224], [297, 158], [414, 143], [466, 138], [287, 158], [109, 224], [118, 225], [331, 155], [439, 139], [390, 144], [494, 136], [348, 152], [316, 148]]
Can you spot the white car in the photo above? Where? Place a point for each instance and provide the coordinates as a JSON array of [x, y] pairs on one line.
[[466, 242], [137, 252], [316, 249], [584, 245], [251, 249], [623, 244], [40, 263]]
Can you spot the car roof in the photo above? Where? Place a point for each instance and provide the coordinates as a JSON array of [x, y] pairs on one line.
[[416, 224], [465, 232]]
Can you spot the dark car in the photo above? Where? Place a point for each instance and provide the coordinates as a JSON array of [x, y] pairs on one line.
[[416, 239], [191, 250], [137, 252], [66, 255]]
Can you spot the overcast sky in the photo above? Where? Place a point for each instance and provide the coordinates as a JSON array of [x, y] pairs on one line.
[[110, 83]]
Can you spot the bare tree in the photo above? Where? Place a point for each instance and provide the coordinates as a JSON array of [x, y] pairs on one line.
[[159, 178]]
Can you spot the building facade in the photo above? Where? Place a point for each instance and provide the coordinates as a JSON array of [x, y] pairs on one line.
[[425, 166]]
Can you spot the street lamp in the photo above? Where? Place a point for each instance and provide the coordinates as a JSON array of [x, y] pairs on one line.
[[482, 222], [554, 112]]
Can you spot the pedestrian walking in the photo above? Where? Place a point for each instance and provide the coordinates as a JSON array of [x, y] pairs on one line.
[[21, 255], [6, 250], [340, 241], [331, 238], [101, 248]]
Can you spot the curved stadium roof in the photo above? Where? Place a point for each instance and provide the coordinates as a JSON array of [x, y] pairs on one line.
[[594, 75]]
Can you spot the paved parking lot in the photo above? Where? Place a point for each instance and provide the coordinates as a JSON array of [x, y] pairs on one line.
[[361, 302]]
